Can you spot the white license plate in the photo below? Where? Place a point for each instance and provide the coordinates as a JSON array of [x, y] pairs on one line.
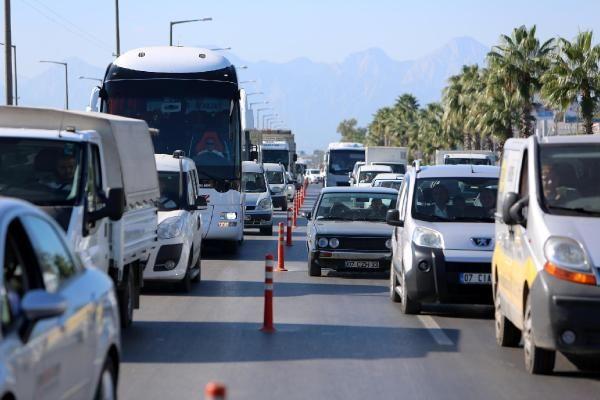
[[223, 224], [246, 218], [468, 278], [362, 264]]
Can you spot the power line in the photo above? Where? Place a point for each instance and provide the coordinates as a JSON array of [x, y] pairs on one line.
[[65, 23]]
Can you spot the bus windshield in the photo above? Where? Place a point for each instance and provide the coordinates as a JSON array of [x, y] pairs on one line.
[[342, 161], [206, 128]]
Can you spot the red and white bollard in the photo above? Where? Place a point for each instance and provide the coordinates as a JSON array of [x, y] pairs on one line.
[[280, 251], [295, 215], [268, 312], [215, 391], [288, 241]]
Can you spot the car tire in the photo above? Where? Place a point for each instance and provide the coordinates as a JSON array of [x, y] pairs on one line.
[[198, 266], [407, 305], [267, 231], [538, 361], [107, 385], [507, 334], [126, 300], [393, 285], [585, 362], [314, 269]]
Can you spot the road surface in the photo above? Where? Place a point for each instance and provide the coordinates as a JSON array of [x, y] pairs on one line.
[[338, 337]]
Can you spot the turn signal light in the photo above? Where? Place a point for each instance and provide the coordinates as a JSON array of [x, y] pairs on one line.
[[567, 275]]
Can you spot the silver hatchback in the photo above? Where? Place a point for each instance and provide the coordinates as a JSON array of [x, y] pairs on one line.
[[60, 335]]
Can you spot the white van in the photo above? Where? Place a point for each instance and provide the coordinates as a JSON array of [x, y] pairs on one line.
[[95, 175], [546, 265], [277, 181], [177, 256], [443, 241], [366, 174], [257, 198]]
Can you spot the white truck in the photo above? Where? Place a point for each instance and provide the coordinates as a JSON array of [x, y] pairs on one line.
[[395, 157], [458, 157], [95, 175]]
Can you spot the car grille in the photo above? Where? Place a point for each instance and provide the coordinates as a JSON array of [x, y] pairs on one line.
[[250, 208], [468, 267], [362, 243]]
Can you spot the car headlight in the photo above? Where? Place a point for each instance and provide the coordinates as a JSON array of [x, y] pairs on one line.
[[426, 237], [170, 228], [264, 204], [388, 243], [230, 216], [566, 253], [322, 242], [334, 243]]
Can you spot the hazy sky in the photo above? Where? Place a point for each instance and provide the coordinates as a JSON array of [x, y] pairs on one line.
[[281, 30]]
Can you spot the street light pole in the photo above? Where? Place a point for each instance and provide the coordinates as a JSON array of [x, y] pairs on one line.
[[64, 64], [117, 32], [8, 74], [258, 115], [183, 22], [91, 79], [266, 116], [221, 49], [16, 97]]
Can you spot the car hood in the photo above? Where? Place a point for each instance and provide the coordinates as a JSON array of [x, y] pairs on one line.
[[251, 199], [353, 228], [582, 229], [464, 235]]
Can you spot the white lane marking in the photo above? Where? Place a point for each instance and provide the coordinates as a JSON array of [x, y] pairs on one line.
[[435, 331]]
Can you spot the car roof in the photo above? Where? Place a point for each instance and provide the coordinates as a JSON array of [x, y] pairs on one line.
[[10, 207], [389, 177], [354, 189], [252, 166], [574, 139], [458, 171], [369, 168], [166, 162]]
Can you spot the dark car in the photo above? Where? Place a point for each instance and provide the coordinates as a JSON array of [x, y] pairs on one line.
[[347, 230]]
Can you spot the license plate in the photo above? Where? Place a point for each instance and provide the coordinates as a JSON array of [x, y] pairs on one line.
[[468, 278], [362, 264], [246, 218], [223, 224]]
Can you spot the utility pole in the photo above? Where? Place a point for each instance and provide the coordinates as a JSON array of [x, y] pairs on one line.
[[117, 28], [16, 74], [8, 74]]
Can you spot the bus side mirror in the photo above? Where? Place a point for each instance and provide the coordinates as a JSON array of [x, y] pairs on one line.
[[253, 155]]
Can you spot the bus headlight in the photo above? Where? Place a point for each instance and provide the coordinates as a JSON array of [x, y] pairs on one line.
[[170, 228]]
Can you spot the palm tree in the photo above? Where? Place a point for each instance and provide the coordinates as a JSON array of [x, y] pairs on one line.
[[574, 76], [521, 60]]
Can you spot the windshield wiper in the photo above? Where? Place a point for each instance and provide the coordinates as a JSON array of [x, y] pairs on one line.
[[578, 210]]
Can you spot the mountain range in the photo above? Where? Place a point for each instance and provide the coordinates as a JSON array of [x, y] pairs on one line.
[[311, 97]]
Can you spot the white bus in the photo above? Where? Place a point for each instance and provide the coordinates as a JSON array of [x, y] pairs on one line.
[[191, 96], [339, 162]]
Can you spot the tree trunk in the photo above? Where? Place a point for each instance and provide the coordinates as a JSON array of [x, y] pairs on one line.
[[467, 141], [489, 143], [525, 121]]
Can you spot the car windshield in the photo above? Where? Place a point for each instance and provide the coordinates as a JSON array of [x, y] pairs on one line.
[[274, 177], [388, 184], [353, 206], [467, 161], [169, 191], [569, 176], [342, 161], [455, 199], [368, 176], [253, 182], [44, 172], [313, 172]]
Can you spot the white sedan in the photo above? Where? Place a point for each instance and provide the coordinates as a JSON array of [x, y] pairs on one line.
[[60, 319]]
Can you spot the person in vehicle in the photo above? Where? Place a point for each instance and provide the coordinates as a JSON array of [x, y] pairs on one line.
[[459, 206], [487, 200], [64, 172], [209, 149], [377, 209], [166, 197], [555, 181], [440, 201]]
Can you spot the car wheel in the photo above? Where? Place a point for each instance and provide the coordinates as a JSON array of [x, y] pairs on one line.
[[585, 362], [107, 386], [537, 360], [268, 231], [393, 285], [314, 269], [507, 334], [126, 301], [407, 305], [198, 267]]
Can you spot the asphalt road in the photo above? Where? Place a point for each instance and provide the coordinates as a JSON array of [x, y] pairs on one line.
[[338, 337]]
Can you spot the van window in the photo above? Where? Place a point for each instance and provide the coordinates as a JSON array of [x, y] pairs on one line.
[[403, 197], [524, 178], [568, 176], [94, 180]]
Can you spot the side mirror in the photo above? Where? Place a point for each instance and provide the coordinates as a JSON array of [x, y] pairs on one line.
[[115, 203], [201, 203], [253, 155], [39, 304], [307, 214], [512, 209], [350, 175], [295, 157], [393, 218]]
